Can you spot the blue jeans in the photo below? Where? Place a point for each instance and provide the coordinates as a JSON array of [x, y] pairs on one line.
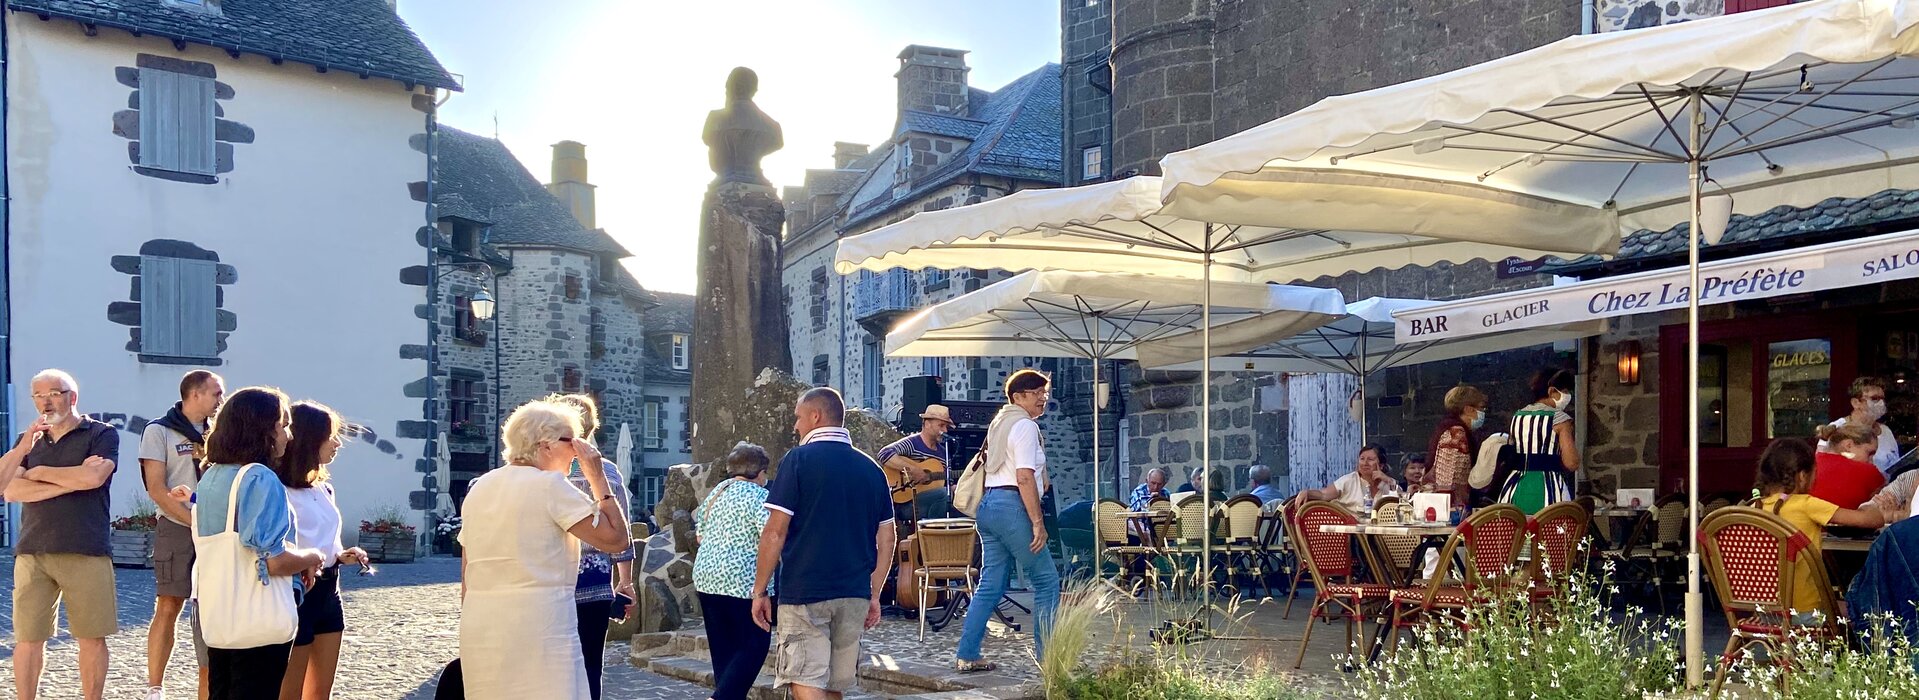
[[932, 504], [1006, 538]]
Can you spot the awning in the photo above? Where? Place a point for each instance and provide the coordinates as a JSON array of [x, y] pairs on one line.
[[1893, 256]]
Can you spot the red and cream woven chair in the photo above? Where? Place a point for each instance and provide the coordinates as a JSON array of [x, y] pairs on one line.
[[1328, 556], [1750, 555], [1488, 542], [1290, 550], [1558, 533]]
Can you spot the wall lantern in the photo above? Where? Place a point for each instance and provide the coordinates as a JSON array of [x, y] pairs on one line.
[[1629, 362]]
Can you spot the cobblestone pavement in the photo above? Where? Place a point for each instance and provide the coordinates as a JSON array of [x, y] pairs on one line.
[[402, 627]]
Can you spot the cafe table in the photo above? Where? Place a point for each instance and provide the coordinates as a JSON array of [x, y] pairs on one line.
[[1369, 530]]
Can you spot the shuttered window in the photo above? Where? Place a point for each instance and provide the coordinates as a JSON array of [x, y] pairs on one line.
[[176, 122], [177, 311]]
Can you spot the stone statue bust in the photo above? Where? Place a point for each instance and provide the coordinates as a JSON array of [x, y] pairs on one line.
[[739, 135]]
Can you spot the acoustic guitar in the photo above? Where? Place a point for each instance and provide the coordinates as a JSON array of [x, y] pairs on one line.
[[904, 477], [906, 591]]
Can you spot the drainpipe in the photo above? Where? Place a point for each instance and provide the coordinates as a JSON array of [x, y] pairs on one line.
[[431, 451], [6, 278], [1586, 10]]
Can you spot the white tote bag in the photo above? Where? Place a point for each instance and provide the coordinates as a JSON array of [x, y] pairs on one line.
[[241, 612]]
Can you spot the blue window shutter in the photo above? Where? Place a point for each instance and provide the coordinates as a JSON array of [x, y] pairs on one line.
[[159, 297], [176, 121], [199, 334], [177, 313]]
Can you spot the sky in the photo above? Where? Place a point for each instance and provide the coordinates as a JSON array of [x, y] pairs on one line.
[[634, 81]]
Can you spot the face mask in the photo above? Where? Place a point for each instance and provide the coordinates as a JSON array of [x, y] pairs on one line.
[[1479, 419], [1564, 401], [1876, 409]]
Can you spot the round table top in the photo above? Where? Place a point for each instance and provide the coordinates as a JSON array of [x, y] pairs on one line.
[[937, 523]]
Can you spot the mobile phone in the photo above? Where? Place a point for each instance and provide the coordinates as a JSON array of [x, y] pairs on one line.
[[620, 604]]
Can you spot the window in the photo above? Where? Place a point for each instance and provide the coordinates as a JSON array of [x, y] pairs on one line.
[[463, 404], [465, 238], [596, 334], [573, 288], [679, 351], [1798, 386], [686, 426], [570, 379], [652, 428], [466, 326], [870, 367], [650, 491], [1092, 163], [936, 278], [176, 122], [816, 305], [177, 307], [822, 369], [609, 269], [933, 366]]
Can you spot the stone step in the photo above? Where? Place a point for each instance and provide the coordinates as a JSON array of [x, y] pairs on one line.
[[701, 673]]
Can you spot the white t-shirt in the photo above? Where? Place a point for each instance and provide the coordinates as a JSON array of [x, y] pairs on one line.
[[1356, 497], [316, 521], [1024, 452], [163, 444], [1888, 452]]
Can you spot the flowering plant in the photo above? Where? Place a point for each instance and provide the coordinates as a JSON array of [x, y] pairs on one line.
[[386, 521], [144, 518], [446, 522]]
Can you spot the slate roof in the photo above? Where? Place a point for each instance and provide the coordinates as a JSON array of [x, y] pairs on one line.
[[361, 37], [1778, 227], [1019, 138], [674, 314], [940, 124], [481, 178]]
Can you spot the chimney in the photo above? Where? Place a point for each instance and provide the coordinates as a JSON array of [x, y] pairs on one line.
[[569, 181], [393, 5], [845, 153], [933, 80]]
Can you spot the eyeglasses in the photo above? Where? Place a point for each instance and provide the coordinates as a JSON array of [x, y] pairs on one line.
[[49, 395]]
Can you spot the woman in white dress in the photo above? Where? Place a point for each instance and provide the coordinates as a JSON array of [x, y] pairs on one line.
[[520, 558]]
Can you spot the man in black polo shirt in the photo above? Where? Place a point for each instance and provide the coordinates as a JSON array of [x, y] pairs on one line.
[[831, 524], [59, 471]]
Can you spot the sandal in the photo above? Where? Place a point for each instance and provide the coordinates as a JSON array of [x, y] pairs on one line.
[[980, 666]]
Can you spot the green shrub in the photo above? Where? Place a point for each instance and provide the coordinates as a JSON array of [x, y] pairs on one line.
[[1879, 667], [1579, 650]]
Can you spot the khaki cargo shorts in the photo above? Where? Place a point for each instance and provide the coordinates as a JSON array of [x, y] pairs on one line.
[[819, 644], [84, 584]]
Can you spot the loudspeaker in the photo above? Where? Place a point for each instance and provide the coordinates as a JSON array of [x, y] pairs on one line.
[[916, 393]]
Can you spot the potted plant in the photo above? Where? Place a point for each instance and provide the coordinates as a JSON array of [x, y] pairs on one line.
[[387, 537], [446, 531], [466, 430], [133, 536]]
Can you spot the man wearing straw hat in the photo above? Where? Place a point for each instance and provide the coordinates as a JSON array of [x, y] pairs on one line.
[[927, 444]]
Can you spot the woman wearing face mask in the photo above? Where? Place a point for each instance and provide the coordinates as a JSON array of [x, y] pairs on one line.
[[1868, 409], [1542, 434], [1844, 475], [1455, 442]]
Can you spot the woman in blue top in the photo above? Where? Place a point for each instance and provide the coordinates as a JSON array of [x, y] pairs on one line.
[[250, 431], [601, 574], [729, 525]]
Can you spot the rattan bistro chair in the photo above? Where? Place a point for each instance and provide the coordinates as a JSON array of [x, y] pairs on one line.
[[1558, 538], [1329, 557], [1750, 555], [946, 562], [1489, 542]]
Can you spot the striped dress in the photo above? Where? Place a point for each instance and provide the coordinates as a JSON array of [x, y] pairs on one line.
[[1544, 479]]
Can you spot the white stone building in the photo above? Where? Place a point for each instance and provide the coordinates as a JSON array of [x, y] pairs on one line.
[[238, 187]]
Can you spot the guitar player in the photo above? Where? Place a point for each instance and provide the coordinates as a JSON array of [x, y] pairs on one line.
[[916, 455]]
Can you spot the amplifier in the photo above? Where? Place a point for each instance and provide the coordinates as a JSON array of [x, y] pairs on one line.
[[973, 414]]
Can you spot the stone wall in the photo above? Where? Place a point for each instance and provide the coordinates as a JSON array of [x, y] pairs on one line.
[[1085, 82], [1615, 15], [616, 358], [1622, 421]]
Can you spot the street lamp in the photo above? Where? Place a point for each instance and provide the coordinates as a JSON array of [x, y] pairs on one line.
[[482, 304]]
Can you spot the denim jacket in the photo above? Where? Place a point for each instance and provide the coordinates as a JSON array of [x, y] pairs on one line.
[[1889, 584]]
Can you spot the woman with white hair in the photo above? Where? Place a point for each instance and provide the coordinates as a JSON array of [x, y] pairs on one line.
[[520, 559]]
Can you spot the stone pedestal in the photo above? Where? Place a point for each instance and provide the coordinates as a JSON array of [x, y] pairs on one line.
[[763, 415], [739, 318]]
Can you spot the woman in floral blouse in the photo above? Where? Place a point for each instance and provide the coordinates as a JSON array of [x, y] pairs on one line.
[[729, 525], [1454, 445]]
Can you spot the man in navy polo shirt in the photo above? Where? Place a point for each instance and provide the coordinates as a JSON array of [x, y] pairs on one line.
[[831, 525]]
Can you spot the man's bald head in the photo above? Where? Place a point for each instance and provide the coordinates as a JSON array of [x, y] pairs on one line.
[[818, 407]]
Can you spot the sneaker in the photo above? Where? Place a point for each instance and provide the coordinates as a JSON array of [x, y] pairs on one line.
[[156, 693], [980, 666]]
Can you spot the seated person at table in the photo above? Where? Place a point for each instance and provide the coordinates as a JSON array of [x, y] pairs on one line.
[[1358, 488], [1845, 475], [1192, 485], [1143, 495], [1784, 474], [1896, 497], [1419, 476], [1261, 477]]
